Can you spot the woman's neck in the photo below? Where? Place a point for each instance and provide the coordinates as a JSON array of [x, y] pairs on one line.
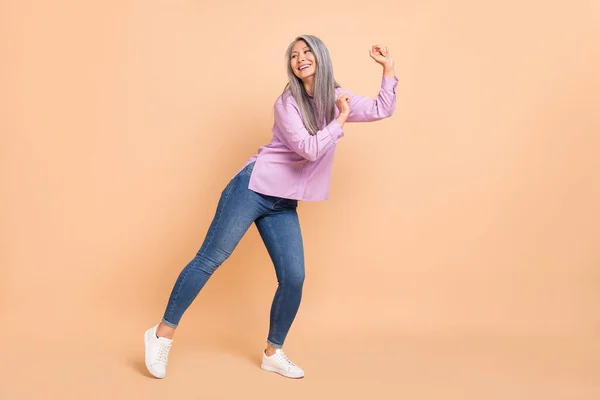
[[309, 86]]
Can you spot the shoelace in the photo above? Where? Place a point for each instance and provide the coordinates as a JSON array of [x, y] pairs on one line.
[[284, 358], [163, 351]]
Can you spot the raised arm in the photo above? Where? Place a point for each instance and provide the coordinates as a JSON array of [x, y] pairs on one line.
[[366, 109]]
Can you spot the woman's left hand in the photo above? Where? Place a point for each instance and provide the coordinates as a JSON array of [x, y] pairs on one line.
[[382, 56]]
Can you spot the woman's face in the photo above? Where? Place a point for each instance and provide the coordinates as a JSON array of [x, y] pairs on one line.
[[302, 61]]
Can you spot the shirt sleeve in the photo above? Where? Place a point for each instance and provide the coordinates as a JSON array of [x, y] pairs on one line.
[[292, 132], [365, 109]]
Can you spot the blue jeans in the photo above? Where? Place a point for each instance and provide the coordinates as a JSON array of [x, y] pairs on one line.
[[277, 222]]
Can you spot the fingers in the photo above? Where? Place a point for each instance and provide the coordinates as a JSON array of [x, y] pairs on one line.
[[343, 97], [373, 52], [378, 50], [343, 103]]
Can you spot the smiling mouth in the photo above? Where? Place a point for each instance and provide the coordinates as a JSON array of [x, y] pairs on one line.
[[302, 68]]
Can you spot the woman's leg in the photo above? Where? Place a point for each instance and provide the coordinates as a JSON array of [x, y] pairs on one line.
[[280, 231], [236, 211], [238, 207]]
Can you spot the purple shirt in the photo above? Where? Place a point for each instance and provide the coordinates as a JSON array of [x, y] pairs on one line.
[[297, 165]]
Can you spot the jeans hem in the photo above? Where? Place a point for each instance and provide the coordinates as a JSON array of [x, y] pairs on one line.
[[277, 346], [169, 324]]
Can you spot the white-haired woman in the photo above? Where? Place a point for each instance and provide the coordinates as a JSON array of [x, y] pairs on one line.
[[294, 166]]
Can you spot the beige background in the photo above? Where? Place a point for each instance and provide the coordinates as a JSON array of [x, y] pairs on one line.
[[466, 264]]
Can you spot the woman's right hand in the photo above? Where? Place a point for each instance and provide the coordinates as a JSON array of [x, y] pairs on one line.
[[343, 104]]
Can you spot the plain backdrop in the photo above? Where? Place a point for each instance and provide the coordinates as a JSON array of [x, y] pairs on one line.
[[472, 213]]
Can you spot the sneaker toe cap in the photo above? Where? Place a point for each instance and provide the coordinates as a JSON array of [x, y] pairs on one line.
[[158, 370]]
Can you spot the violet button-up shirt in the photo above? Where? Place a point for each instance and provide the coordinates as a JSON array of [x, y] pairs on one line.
[[297, 165]]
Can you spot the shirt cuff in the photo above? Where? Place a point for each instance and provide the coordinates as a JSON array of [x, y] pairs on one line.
[[389, 84], [335, 130]]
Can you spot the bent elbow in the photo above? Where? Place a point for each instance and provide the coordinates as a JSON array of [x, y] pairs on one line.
[[388, 112]]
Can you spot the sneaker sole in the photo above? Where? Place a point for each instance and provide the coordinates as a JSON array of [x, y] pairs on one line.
[[282, 373]]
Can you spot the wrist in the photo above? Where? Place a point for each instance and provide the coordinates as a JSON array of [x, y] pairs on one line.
[[342, 118], [388, 71]]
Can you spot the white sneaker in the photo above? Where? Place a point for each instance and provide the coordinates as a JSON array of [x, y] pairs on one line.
[[157, 353], [279, 363]]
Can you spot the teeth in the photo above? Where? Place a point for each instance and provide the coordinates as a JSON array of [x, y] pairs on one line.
[[304, 67]]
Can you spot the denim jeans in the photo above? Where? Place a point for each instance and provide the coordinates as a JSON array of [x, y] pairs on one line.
[[277, 222]]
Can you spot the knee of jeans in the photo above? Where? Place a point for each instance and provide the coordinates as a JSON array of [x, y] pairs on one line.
[[206, 264], [295, 280], [207, 269]]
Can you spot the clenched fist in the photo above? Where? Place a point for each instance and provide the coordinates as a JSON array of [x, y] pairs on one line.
[[382, 56], [343, 103]]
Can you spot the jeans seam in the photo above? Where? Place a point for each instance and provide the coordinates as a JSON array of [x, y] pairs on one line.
[[277, 304], [276, 203]]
